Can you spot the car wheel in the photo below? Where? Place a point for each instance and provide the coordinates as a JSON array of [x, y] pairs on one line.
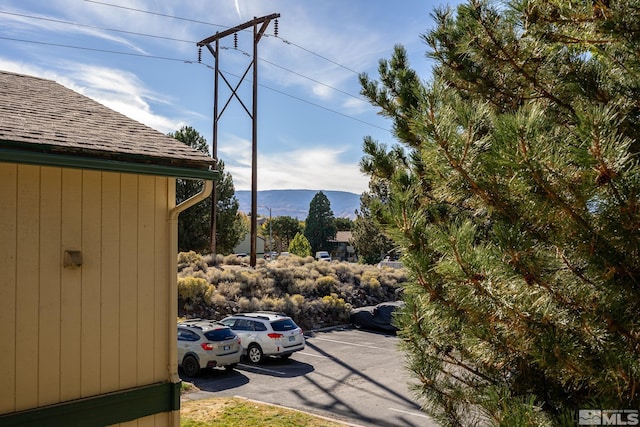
[[231, 367], [254, 353], [191, 366]]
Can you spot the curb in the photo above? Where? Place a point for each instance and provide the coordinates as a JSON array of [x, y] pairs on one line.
[[301, 411]]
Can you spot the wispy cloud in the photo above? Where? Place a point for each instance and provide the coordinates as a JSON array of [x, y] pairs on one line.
[[313, 169]]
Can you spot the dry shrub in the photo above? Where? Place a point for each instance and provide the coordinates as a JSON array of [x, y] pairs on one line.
[[325, 285], [193, 260], [231, 290], [246, 305], [193, 289]]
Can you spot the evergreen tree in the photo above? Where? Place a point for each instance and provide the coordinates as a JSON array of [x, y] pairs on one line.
[[517, 209], [230, 225], [194, 224], [343, 224], [320, 224], [300, 246], [283, 230]]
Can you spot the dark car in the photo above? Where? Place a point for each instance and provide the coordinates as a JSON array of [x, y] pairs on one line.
[[376, 317]]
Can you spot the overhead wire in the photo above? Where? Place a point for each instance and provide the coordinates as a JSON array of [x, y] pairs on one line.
[[179, 40], [185, 60]]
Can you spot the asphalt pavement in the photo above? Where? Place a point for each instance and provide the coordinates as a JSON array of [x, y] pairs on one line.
[[347, 375]]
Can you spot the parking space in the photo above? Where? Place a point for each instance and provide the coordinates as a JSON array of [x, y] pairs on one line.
[[346, 374]]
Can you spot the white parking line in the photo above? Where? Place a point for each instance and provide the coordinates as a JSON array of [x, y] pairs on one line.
[[257, 368], [314, 355], [415, 414], [350, 343]]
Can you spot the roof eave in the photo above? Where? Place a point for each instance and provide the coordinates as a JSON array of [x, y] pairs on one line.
[[109, 165]]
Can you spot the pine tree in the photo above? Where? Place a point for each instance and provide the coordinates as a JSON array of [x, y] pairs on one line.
[[300, 246], [517, 208], [320, 224], [194, 224]]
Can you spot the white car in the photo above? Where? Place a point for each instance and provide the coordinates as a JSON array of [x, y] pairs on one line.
[[266, 333], [323, 256], [207, 344]]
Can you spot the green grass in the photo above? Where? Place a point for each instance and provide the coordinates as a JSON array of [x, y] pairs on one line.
[[237, 412]]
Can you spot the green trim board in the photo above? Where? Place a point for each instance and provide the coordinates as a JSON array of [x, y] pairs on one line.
[[101, 410], [108, 165]]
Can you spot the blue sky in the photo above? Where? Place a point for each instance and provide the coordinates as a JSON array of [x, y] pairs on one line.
[[139, 57]]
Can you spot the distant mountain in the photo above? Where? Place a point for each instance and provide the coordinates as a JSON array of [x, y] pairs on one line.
[[295, 203]]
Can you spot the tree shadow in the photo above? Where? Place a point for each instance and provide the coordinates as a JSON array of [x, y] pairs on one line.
[[361, 383], [277, 367], [216, 380]]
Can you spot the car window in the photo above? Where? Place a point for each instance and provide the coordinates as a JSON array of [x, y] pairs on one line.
[[283, 325], [259, 326], [228, 322], [187, 335], [221, 334], [243, 325]]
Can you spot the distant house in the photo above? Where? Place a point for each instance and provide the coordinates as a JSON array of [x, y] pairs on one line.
[[342, 248], [244, 247], [88, 294]]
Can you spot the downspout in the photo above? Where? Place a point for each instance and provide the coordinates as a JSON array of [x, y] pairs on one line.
[[173, 279]]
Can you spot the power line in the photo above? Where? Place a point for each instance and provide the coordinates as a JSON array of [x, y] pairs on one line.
[[186, 61], [222, 26], [133, 9], [97, 50], [181, 41], [77, 24]]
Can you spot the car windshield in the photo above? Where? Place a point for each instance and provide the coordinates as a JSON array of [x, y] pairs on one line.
[[221, 334], [283, 325]]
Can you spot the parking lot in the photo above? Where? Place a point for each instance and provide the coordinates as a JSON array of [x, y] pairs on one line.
[[350, 375]]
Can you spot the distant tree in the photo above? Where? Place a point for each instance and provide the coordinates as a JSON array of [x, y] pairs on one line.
[[283, 230], [300, 246], [194, 224], [320, 225], [343, 224], [230, 225]]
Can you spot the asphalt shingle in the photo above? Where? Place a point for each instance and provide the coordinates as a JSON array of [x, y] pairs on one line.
[[42, 115]]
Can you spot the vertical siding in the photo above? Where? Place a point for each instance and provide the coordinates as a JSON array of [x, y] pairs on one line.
[[27, 298], [71, 291], [50, 256], [90, 343], [110, 278], [8, 243], [102, 327]]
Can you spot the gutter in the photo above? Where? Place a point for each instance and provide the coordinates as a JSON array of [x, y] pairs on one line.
[[173, 281]]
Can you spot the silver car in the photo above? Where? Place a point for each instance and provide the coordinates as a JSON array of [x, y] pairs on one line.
[[266, 333], [207, 344]]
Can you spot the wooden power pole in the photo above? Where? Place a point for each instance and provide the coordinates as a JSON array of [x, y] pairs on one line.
[[262, 23]]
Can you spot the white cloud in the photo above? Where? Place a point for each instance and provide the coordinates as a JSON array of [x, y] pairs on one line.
[[313, 169]]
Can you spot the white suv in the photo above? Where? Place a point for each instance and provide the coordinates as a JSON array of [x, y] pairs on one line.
[[207, 344], [265, 333], [323, 256]]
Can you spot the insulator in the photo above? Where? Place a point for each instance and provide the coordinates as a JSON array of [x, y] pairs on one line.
[[199, 54], [275, 28], [235, 40]]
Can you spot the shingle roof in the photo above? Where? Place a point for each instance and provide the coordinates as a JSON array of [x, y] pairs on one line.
[[41, 115]]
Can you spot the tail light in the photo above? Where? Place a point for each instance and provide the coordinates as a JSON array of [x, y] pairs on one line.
[[275, 335], [206, 346]]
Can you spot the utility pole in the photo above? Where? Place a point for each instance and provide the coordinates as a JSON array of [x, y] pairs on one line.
[[253, 114]]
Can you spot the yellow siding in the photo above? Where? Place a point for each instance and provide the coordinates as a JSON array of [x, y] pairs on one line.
[[69, 333], [50, 287], [8, 244]]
